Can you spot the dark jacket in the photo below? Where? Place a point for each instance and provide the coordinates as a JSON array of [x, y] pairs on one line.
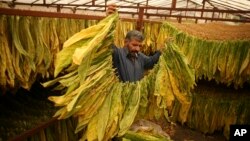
[[128, 70]]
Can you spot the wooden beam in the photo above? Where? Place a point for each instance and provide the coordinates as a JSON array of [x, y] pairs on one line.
[[8, 11], [132, 2], [75, 7], [203, 7], [168, 9], [186, 7], [105, 5], [34, 2], [173, 3], [58, 8], [72, 1], [86, 3], [212, 16], [179, 19], [55, 1], [11, 4], [140, 19], [138, 5], [146, 7], [210, 3], [33, 131]]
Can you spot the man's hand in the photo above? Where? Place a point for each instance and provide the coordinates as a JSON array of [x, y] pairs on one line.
[[111, 9]]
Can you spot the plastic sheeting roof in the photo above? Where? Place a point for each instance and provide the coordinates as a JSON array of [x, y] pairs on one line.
[[98, 5], [224, 4]]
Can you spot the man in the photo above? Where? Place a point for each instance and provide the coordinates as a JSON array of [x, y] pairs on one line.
[[129, 62]]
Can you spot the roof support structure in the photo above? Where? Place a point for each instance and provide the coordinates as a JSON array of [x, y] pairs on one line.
[[203, 7], [58, 8], [168, 12], [47, 14], [35, 130], [186, 7], [140, 19], [34, 2], [55, 2], [147, 6], [173, 4], [72, 1]]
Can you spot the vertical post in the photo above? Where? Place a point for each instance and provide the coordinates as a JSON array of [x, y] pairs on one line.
[[173, 8], [186, 8], [179, 19], [140, 19], [173, 3], [213, 15], [203, 7], [105, 5], [138, 5], [58, 8]]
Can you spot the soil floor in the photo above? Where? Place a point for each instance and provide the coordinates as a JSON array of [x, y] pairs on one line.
[[182, 133]]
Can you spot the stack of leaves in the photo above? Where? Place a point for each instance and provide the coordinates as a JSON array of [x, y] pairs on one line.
[[29, 46], [104, 106], [85, 68], [225, 61], [167, 87], [151, 33], [92, 91], [216, 107], [23, 52], [7, 72], [178, 79]]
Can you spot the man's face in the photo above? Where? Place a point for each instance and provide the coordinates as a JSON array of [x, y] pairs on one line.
[[133, 46]]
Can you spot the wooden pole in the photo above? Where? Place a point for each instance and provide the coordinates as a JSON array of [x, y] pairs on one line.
[[173, 3], [58, 8], [35, 130], [9, 11], [140, 19], [203, 7]]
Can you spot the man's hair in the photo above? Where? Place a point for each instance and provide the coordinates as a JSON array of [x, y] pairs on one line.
[[135, 34]]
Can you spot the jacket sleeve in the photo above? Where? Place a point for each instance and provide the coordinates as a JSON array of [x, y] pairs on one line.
[[150, 61]]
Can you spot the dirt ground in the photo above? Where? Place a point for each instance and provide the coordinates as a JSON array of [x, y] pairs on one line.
[[182, 133]]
